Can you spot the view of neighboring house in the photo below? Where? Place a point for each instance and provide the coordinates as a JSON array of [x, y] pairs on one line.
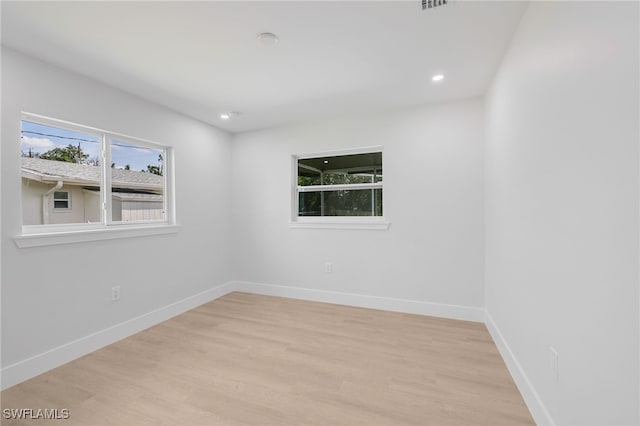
[[57, 192]]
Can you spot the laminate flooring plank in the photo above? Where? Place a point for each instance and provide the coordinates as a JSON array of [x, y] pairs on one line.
[[247, 359]]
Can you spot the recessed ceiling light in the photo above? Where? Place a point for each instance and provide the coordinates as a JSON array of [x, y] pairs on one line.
[[228, 115], [437, 77], [268, 39]]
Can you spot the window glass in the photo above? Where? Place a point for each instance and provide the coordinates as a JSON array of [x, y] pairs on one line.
[[357, 180], [60, 200], [56, 163], [64, 170], [341, 203], [344, 169], [137, 182]]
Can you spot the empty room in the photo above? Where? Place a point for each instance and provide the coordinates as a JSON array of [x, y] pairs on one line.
[[420, 212]]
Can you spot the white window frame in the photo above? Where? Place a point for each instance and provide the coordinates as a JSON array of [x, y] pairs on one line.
[[334, 222], [68, 200], [107, 198], [52, 234]]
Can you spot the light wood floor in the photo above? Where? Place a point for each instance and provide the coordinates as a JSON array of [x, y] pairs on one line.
[[259, 360]]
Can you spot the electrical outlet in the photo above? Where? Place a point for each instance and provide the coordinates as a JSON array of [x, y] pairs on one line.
[[115, 293], [328, 267], [555, 371]]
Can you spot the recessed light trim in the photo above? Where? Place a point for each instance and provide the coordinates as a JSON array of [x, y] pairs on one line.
[[437, 77], [268, 39], [228, 115]]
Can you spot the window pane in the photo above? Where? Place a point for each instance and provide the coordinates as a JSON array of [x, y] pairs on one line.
[[309, 204], [343, 169], [53, 156], [137, 182], [61, 195], [363, 202]]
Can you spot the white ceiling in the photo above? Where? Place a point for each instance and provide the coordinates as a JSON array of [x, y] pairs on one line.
[[334, 57]]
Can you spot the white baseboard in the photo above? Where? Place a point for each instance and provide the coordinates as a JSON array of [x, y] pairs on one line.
[[467, 313], [31, 367], [537, 408]]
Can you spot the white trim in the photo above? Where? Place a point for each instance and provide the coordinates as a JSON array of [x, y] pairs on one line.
[[467, 313], [95, 131], [106, 202], [170, 185], [105, 140], [85, 234], [340, 187], [342, 223], [31, 367], [111, 140], [294, 189], [338, 152], [537, 408]]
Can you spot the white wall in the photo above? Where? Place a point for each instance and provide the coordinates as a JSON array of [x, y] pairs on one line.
[[56, 294], [562, 207], [558, 210], [433, 251]]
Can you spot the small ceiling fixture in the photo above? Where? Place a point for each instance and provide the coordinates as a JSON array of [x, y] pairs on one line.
[[437, 77], [228, 115], [326, 161], [268, 39]]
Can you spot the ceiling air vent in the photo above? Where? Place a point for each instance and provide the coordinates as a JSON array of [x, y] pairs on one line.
[[430, 4]]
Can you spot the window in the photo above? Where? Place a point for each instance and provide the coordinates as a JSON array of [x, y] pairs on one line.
[[61, 200], [137, 183], [344, 188], [113, 180]]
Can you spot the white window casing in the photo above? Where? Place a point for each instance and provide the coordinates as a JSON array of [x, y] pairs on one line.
[[106, 228], [371, 222]]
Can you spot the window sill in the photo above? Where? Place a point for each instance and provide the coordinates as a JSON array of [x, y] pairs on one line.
[[380, 225], [86, 235]]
